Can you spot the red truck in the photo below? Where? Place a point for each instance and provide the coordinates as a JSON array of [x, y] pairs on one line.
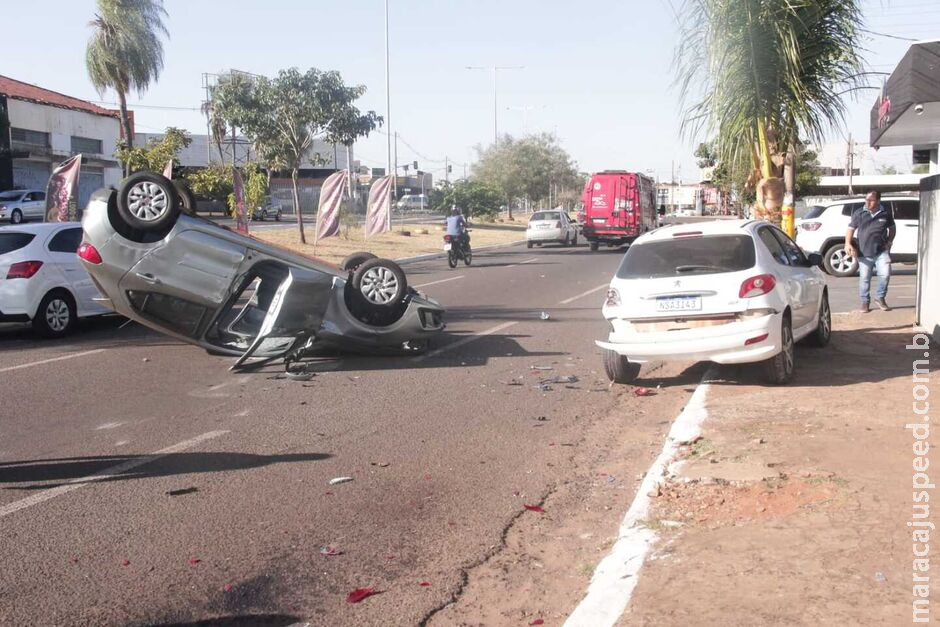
[[618, 207]]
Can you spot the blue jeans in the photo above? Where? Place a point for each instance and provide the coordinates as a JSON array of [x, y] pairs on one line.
[[881, 264]]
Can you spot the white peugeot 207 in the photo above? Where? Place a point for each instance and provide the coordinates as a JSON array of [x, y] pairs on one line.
[[727, 291]]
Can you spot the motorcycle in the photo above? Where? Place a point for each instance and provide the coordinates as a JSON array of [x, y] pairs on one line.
[[457, 248]]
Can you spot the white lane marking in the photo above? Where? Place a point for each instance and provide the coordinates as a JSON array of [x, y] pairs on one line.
[[522, 262], [108, 425], [453, 278], [107, 473], [49, 361], [616, 576], [213, 391], [568, 301], [466, 340]]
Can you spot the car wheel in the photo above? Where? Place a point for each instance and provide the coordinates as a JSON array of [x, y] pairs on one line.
[[381, 282], [823, 333], [528, 244], [567, 241], [594, 246], [574, 242], [353, 261], [186, 196], [16, 217], [55, 315], [452, 258], [837, 263], [619, 369], [467, 256], [277, 216], [263, 216], [779, 368], [147, 201]]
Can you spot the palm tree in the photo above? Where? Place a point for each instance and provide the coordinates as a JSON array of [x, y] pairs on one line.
[[125, 51], [767, 73], [218, 127]]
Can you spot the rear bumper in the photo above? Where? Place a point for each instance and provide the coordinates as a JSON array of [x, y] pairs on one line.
[[544, 235], [724, 344]]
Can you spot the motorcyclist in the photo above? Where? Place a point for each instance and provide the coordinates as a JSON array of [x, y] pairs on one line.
[[457, 228]]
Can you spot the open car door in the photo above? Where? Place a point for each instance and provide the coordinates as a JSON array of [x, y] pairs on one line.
[[294, 315]]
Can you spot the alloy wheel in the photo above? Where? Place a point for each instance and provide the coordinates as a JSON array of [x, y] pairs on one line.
[[57, 315], [841, 262], [379, 285], [787, 349], [147, 201]]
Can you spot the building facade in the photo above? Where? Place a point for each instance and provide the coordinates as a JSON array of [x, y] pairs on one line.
[[40, 128]]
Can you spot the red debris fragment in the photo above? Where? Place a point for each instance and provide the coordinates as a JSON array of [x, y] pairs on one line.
[[329, 493], [125, 563], [427, 477], [195, 561], [537, 621], [330, 551], [75, 560], [359, 594], [389, 557], [643, 392], [551, 444], [425, 584], [227, 587], [534, 508]]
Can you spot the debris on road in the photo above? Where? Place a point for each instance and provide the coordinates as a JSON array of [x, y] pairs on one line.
[[537, 621], [568, 378], [534, 508], [541, 418], [339, 480], [543, 387], [359, 594], [227, 587], [126, 563], [641, 391], [541, 368], [300, 376], [425, 584], [380, 464], [544, 316], [182, 491], [880, 578], [513, 382], [330, 551], [195, 561], [145, 359]]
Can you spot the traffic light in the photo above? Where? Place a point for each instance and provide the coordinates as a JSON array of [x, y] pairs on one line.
[[416, 165], [450, 169]]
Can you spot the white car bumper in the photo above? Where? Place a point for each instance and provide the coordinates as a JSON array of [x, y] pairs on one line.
[[723, 344], [544, 235]]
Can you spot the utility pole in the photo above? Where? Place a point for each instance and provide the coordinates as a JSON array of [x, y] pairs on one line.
[[205, 84], [850, 162], [395, 171], [495, 69], [446, 168], [388, 98]]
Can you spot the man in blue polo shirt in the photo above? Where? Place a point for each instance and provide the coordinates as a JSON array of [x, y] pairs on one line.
[[873, 226]]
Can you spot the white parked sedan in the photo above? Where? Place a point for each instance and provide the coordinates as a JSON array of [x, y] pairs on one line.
[[730, 292], [41, 278], [551, 226]]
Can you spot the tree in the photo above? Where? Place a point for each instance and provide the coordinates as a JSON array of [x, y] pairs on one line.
[[532, 167], [125, 51], [921, 168], [282, 115], [347, 126], [155, 155], [218, 129], [765, 73], [212, 183], [255, 188], [888, 169], [473, 197], [705, 153]]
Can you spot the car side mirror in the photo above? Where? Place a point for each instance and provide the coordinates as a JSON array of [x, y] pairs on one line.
[[815, 259]]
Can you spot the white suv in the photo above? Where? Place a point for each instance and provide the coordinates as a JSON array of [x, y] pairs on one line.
[[822, 230], [41, 278]]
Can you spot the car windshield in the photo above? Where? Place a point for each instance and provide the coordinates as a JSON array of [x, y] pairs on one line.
[[545, 215], [14, 241], [688, 255], [814, 212], [11, 195]]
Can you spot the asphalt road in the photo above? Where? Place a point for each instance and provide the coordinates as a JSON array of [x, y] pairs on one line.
[[142, 483]]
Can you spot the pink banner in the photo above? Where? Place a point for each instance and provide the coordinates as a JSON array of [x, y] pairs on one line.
[[241, 216], [61, 203], [331, 196], [380, 202], [168, 170]]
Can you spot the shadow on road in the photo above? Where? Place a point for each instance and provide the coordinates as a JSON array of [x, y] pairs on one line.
[[246, 620], [63, 470]]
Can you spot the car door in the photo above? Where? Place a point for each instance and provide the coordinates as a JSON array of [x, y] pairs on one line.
[[907, 221], [62, 247], [809, 283], [35, 206], [787, 276]]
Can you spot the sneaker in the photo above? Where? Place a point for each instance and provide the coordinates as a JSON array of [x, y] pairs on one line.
[[882, 304], [864, 308]]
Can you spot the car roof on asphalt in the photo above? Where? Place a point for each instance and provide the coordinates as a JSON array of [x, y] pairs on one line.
[[709, 227]]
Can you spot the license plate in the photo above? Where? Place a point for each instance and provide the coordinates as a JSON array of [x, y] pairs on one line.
[[679, 303], [446, 246], [543, 226], [599, 220]]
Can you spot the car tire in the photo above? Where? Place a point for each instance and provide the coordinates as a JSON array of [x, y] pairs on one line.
[[594, 246], [574, 242], [778, 370], [823, 333], [452, 258], [837, 263], [567, 241], [277, 216], [354, 260], [55, 315], [263, 216], [619, 369], [528, 244], [186, 197], [148, 201], [16, 217], [381, 282]]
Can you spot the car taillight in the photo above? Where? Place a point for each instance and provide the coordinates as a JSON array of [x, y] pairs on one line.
[[756, 339], [613, 298], [757, 286], [24, 269], [89, 253], [811, 226], [447, 238]]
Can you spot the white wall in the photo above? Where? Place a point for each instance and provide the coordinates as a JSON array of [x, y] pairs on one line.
[[928, 258]]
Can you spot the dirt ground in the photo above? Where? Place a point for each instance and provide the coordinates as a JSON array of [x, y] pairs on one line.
[[421, 239], [790, 510]]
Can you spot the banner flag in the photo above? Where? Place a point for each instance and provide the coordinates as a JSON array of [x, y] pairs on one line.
[[331, 197], [380, 202], [168, 170], [241, 217], [61, 203]]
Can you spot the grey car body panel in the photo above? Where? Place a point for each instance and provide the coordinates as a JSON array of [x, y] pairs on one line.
[[208, 265]]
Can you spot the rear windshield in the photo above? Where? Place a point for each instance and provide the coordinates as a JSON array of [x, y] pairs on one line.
[[545, 215], [814, 212], [686, 256], [14, 241]]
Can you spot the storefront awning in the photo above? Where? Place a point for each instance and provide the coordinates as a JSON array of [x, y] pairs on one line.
[[907, 113]]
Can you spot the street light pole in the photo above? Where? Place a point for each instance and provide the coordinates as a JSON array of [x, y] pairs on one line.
[[388, 120], [495, 69]]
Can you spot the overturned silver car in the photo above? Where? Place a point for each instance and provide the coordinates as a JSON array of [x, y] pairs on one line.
[[159, 264]]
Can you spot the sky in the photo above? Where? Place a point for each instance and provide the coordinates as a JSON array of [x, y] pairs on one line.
[[598, 74]]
